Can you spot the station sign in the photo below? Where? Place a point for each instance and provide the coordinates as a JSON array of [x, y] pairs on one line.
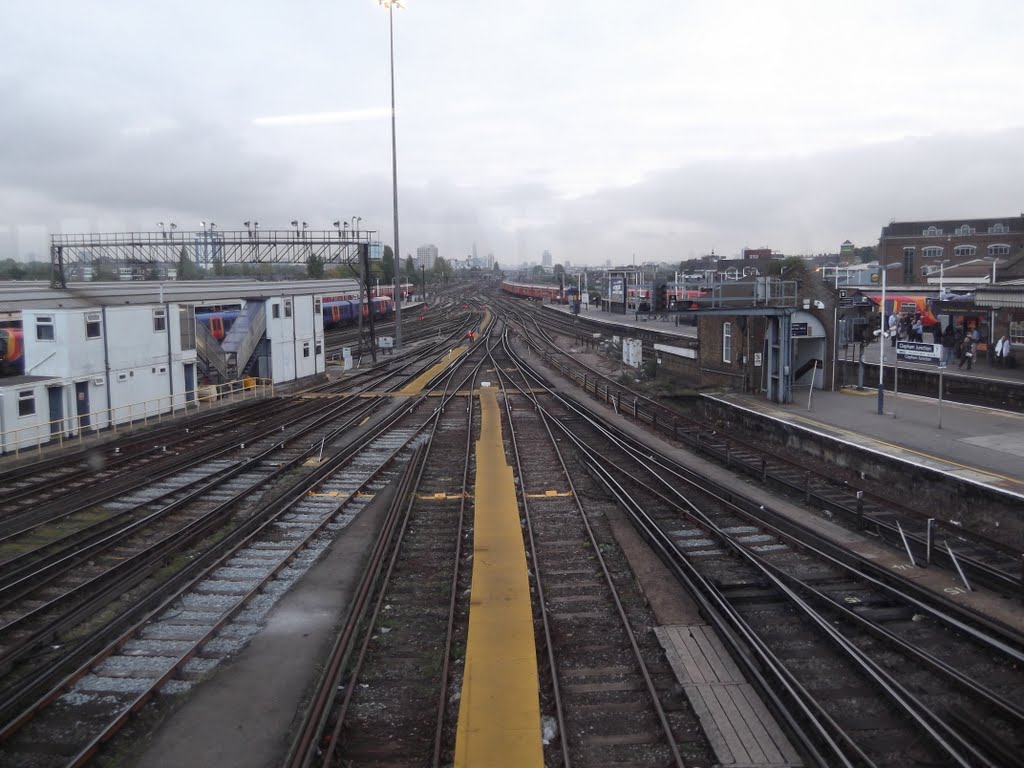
[[799, 329], [918, 352]]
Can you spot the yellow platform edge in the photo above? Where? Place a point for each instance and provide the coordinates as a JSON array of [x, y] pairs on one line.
[[499, 709], [415, 386]]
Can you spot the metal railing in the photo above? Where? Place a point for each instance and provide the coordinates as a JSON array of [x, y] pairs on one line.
[[79, 428]]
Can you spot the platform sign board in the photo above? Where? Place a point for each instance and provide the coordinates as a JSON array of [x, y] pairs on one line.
[[799, 329], [918, 352]]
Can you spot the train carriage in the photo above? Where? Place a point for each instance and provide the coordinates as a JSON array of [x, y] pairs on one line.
[[12, 351], [553, 293]]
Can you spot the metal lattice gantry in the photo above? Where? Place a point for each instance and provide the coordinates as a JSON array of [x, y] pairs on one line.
[[207, 247]]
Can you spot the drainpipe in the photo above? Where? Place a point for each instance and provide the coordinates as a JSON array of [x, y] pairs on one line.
[[106, 366], [170, 368], [295, 343]]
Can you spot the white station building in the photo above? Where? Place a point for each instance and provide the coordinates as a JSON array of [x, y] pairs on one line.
[[111, 353]]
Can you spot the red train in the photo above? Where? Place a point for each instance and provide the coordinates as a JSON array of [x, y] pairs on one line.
[[12, 351], [906, 304], [551, 292]]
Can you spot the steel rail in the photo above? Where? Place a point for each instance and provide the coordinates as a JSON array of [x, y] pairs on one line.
[[980, 571], [645, 673], [311, 738], [804, 718], [947, 738], [202, 565]]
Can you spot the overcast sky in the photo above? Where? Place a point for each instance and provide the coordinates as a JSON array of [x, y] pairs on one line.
[[596, 130]]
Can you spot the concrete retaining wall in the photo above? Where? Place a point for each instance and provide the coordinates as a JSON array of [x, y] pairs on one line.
[[978, 508]]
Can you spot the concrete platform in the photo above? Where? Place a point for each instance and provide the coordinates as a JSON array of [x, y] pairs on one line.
[[980, 446], [642, 322]]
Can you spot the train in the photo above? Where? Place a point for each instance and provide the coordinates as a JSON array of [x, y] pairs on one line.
[[553, 293], [12, 351], [343, 312], [337, 312], [903, 304], [218, 322]]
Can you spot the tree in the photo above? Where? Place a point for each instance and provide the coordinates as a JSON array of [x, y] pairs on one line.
[[218, 265], [537, 270], [866, 254], [496, 269], [558, 271], [315, 266], [102, 272], [387, 266], [187, 269], [791, 268]]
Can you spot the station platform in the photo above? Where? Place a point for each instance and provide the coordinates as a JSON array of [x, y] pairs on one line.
[[656, 322], [981, 446], [980, 368]]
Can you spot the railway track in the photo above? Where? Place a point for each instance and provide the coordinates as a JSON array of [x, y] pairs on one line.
[[106, 562], [871, 672], [608, 685], [924, 534], [180, 636], [391, 667]]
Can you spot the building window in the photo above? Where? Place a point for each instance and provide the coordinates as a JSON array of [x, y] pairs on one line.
[[999, 250], [319, 349], [92, 325], [44, 327], [275, 310], [726, 342], [932, 252], [964, 229], [305, 349], [965, 250], [287, 307], [159, 320], [27, 403], [316, 306], [998, 229], [122, 377], [1017, 332], [932, 231], [908, 260]]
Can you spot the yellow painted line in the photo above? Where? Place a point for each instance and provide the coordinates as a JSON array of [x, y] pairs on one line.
[[486, 321], [415, 386], [442, 496], [499, 709], [548, 494]]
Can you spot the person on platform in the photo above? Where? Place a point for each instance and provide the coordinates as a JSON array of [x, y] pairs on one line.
[[918, 330], [967, 352], [948, 344], [1002, 351], [893, 328]]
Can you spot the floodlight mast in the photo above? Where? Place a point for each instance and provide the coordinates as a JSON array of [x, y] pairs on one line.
[[397, 254]]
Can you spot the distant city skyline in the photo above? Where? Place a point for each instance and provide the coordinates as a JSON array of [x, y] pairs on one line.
[[712, 127]]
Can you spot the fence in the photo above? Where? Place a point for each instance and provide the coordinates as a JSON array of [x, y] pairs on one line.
[[78, 428]]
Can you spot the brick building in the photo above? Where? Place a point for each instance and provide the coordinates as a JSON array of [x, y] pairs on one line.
[[966, 249]]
